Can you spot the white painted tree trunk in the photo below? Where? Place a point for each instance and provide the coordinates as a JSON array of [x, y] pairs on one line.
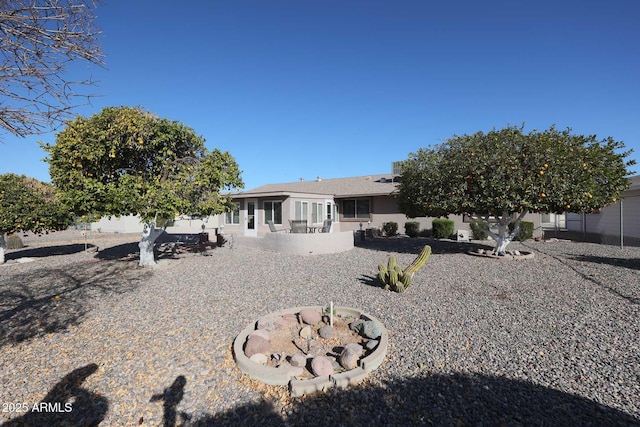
[[149, 235], [502, 236], [3, 247]]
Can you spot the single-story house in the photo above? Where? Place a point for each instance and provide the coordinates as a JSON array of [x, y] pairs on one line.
[[355, 203], [367, 202]]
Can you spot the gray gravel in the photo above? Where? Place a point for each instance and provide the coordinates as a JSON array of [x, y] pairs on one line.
[[474, 341]]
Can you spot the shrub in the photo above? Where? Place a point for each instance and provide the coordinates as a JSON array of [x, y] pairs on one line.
[[390, 228], [479, 230], [443, 228], [412, 228], [14, 242], [525, 232]]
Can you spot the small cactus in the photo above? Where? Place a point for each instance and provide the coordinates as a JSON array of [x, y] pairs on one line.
[[14, 242], [394, 278]]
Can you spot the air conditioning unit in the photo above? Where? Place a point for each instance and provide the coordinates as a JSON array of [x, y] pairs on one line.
[[462, 235]]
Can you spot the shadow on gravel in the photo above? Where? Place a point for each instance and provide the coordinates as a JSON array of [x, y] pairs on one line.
[[414, 246], [617, 262], [370, 281], [67, 404], [455, 399], [46, 251], [631, 263], [49, 300], [119, 252]]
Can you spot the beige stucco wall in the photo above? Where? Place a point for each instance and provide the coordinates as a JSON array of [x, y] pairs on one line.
[[115, 224], [299, 244], [385, 209], [607, 222]]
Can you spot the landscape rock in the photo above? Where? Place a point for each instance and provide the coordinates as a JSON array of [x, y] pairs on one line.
[[371, 344], [321, 366], [289, 319], [261, 333], [259, 358], [270, 323], [298, 360], [310, 316], [305, 332], [326, 332], [349, 358], [371, 329], [256, 344], [355, 325], [355, 347]]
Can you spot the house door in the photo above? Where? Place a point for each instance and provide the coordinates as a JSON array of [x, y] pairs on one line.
[[250, 220]]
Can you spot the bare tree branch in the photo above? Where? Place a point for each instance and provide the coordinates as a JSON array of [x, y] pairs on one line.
[[39, 39]]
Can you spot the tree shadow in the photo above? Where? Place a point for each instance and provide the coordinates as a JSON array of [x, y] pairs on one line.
[[608, 287], [67, 404], [439, 399], [124, 251], [49, 300], [415, 245], [631, 263], [47, 251], [183, 243]]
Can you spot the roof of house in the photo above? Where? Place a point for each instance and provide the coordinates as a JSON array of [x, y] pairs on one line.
[[634, 182], [371, 185]]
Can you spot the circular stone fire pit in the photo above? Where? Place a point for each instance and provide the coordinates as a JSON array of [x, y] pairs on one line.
[[298, 347]]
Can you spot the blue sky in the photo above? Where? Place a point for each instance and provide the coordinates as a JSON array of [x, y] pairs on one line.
[[307, 88]]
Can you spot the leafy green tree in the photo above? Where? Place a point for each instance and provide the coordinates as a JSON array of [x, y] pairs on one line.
[[27, 204], [506, 174], [127, 161]]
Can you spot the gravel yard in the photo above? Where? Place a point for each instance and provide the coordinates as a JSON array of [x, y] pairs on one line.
[[554, 340]]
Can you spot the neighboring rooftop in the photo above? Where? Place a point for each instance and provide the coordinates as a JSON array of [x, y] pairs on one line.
[[370, 185]]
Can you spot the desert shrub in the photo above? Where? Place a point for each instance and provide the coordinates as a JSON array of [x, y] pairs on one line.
[[412, 228], [525, 232], [390, 228], [14, 242], [479, 230], [443, 228]]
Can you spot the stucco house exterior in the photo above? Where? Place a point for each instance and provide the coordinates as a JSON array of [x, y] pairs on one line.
[[352, 203], [606, 226], [367, 202]]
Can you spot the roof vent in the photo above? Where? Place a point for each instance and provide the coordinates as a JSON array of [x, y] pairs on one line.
[[383, 179], [301, 179], [319, 178]]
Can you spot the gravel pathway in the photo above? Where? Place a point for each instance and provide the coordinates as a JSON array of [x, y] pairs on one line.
[[474, 341]]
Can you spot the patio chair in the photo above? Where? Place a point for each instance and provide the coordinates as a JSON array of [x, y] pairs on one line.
[[326, 227], [298, 225], [273, 228]]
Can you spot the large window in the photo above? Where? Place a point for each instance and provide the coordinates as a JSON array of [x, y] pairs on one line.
[[356, 208], [316, 213], [233, 217], [301, 210], [273, 212]]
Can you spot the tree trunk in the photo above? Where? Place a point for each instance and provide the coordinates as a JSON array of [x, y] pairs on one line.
[[503, 237], [3, 247], [149, 235]]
